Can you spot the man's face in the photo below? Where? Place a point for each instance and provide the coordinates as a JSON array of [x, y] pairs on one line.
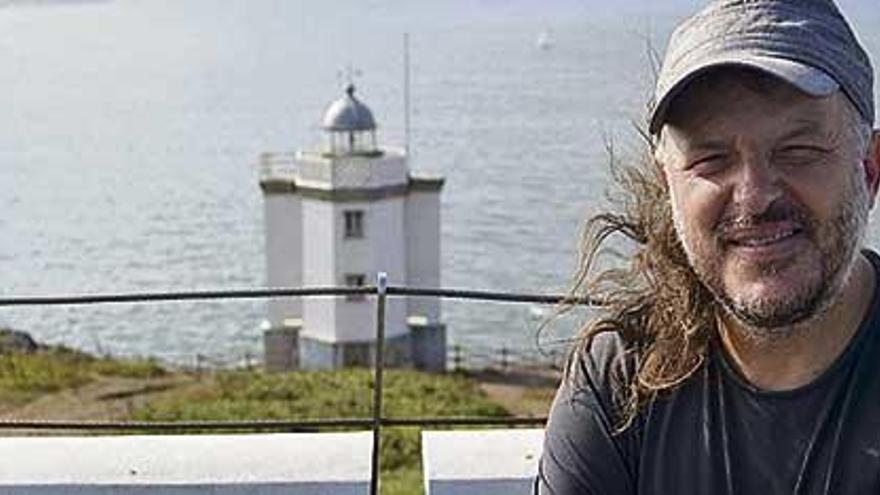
[[769, 195]]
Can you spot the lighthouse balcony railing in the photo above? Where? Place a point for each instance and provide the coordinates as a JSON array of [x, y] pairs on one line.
[[277, 166], [380, 292]]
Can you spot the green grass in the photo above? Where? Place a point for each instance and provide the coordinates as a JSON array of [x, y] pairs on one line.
[[241, 395], [24, 377], [246, 395], [403, 481], [127, 368]]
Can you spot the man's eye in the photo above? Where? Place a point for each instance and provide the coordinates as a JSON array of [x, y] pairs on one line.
[[708, 164], [799, 153]]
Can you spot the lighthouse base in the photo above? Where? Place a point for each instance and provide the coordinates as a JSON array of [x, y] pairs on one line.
[[319, 355], [422, 348]]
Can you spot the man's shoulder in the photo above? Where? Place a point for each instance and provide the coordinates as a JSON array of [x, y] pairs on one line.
[[605, 368], [607, 356], [871, 320], [583, 452]]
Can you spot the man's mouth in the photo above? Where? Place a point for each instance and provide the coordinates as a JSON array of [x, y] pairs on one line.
[[762, 236]]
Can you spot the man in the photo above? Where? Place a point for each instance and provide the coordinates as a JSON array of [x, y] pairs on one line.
[[738, 351]]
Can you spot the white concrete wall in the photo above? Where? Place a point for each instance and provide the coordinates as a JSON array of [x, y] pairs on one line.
[[319, 267], [480, 462], [290, 464], [355, 319], [381, 249], [283, 231], [389, 255], [423, 251], [327, 256]]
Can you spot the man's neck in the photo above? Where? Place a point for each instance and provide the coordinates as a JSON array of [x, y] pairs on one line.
[[795, 360]]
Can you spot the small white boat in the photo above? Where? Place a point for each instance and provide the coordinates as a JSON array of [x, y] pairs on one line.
[[545, 40], [537, 312]]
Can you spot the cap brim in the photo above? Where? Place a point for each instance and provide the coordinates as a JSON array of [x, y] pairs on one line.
[[806, 78]]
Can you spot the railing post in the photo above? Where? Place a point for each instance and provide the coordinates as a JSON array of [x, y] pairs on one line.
[[456, 357], [381, 294], [248, 364]]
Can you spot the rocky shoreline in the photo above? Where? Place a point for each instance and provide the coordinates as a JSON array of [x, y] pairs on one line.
[[18, 341]]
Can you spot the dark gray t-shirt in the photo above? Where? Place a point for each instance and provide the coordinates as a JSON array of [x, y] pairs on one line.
[[717, 434]]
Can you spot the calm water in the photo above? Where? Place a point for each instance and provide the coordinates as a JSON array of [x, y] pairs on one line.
[[130, 130]]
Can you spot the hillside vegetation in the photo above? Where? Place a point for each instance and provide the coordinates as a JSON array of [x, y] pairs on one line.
[[41, 376]]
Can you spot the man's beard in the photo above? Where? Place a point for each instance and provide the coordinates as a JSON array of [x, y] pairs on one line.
[[837, 242]]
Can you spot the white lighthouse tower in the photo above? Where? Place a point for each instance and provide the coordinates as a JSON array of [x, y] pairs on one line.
[[338, 216]]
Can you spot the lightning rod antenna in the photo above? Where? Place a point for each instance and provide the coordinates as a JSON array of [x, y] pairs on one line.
[[406, 109]]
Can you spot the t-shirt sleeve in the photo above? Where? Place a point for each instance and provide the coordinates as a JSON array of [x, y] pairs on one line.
[[582, 455]]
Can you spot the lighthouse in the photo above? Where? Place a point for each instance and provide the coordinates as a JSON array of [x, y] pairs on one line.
[[337, 216]]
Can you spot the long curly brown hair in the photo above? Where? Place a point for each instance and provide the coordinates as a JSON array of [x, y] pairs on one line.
[[651, 297]]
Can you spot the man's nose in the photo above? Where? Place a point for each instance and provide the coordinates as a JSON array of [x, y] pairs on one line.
[[757, 184]]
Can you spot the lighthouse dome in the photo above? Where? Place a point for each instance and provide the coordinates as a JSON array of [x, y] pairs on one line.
[[348, 114]]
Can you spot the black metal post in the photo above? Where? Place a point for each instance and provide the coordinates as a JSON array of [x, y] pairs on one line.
[[381, 293]]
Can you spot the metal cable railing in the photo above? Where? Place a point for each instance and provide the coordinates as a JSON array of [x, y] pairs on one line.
[[205, 295], [268, 424], [376, 422]]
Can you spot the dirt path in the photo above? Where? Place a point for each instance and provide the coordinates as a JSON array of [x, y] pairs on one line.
[[106, 398], [523, 392]]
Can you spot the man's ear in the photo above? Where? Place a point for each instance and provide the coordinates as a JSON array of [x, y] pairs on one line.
[[658, 157], [871, 166]]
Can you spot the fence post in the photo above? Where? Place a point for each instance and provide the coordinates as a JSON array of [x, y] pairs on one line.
[[248, 364], [381, 293], [456, 357]]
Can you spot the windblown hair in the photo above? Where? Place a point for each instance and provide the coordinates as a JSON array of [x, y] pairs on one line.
[[651, 297]]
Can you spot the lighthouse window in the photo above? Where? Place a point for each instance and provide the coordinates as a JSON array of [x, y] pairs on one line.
[[355, 280], [354, 223]]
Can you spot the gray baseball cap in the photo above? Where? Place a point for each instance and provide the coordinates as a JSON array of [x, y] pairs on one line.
[[805, 42]]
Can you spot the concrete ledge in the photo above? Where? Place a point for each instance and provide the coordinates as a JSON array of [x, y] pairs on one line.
[[290, 185], [480, 462], [292, 464], [339, 195]]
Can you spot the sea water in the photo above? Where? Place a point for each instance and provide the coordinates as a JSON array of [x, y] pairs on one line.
[[130, 132]]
